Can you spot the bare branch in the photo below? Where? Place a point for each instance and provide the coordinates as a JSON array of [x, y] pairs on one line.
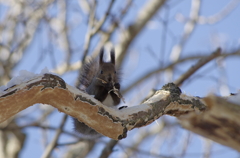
[[37, 125], [66, 33], [89, 31], [198, 65], [188, 29], [105, 35], [52, 145], [228, 9], [108, 148], [101, 22], [129, 34], [52, 90], [172, 65], [65, 68]]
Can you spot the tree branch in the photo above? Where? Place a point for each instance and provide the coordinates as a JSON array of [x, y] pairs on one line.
[[53, 144], [189, 27], [129, 34], [198, 65], [108, 148], [111, 122], [174, 64], [219, 123]]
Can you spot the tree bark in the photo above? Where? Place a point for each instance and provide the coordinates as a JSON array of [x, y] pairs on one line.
[[214, 119]]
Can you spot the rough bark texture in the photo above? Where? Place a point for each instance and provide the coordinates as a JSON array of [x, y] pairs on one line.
[[215, 119]]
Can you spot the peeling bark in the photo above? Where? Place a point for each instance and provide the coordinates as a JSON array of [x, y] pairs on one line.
[[51, 89]]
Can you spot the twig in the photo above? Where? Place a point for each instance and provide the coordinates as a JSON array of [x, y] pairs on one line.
[[129, 34], [143, 135], [185, 146], [89, 32], [94, 27], [106, 35], [66, 34], [115, 90], [164, 33], [198, 65], [155, 71], [188, 30], [108, 148], [212, 19], [103, 81], [101, 22], [52, 145], [36, 125]]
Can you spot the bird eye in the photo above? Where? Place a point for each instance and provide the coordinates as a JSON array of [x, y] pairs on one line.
[[101, 72], [115, 72]]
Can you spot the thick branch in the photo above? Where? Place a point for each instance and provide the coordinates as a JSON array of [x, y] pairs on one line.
[[219, 123], [52, 90], [111, 122]]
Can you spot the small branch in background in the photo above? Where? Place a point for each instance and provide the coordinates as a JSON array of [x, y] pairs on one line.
[[15, 140], [15, 41], [170, 66], [185, 145], [164, 32], [130, 33], [208, 146], [79, 149], [37, 125], [116, 23], [143, 135], [99, 24], [188, 30], [198, 65], [63, 68], [189, 27], [89, 35], [66, 33], [108, 148], [94, 26], [217, 17], [52, 145]]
